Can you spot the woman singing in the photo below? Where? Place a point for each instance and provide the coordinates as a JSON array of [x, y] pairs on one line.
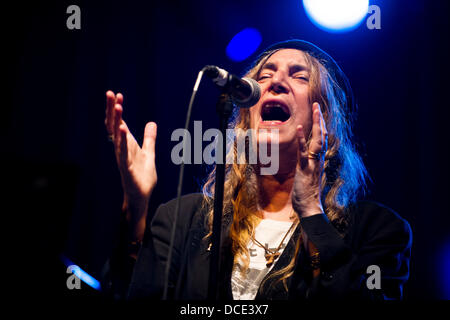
[[301, 233]]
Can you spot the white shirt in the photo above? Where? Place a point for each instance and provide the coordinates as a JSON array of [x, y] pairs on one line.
[[269, 233]]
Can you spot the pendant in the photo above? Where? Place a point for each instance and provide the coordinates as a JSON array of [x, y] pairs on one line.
[[270, 258]]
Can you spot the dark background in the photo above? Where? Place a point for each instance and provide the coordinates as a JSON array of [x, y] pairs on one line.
[[62, 188]]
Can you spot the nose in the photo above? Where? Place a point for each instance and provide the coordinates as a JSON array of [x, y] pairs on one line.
[[278, 84]]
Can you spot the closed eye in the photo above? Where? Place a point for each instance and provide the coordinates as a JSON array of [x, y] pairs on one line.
[[264, 76]]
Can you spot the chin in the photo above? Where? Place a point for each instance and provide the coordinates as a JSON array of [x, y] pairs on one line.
[[280, 140], [268, 136]]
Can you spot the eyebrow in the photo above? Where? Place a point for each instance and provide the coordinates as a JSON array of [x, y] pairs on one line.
[[269, 65], [292, 68]]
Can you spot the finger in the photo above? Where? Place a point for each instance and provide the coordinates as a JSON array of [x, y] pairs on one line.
[[316, 144], [150, 137], [324, 132], [122, 144], [303, 148], [119, 98], [117, 122], [109, 120]]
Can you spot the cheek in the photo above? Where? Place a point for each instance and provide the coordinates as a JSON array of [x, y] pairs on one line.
[[303, 112], [303, 117], [254, 115]]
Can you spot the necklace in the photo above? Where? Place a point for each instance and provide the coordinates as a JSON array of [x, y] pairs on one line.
[[272, 255]]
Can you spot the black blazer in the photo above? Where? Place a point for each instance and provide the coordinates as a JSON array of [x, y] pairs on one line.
[[375, 236]]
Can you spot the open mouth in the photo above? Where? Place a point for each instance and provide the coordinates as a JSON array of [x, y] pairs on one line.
[[275, 112]]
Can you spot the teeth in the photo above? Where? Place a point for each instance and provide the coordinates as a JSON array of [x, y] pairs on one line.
[[275, 105]]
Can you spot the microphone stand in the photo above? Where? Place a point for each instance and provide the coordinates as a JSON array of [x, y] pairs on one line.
[[224, 109]]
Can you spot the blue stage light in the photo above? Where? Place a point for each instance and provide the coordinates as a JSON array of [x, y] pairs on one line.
[[244, 44], [81, 274], [336, 15]]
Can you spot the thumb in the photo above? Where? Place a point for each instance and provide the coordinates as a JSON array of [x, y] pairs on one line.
[[150, 137]]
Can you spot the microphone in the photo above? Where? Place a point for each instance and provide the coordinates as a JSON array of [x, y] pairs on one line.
[[245, 92]]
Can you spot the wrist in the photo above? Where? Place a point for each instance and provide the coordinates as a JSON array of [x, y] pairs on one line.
[[135, 215], [134, 206]]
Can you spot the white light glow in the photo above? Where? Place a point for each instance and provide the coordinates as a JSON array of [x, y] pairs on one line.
[[336, 15]]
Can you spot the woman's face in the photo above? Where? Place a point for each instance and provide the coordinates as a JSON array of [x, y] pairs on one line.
[[284, 102]]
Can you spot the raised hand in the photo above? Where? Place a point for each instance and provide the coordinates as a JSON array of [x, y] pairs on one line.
[[136, 164], [307, 190]]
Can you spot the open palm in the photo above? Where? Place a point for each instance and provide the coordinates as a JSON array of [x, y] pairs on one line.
[[136, 164]]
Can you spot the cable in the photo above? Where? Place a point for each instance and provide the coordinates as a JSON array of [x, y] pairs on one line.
[[180, 187]]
